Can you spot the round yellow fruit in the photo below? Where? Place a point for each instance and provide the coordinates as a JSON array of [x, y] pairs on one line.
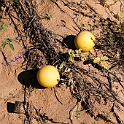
[[85, 41], [48, 76]]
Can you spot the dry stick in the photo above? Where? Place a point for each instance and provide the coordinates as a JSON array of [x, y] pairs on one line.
[[57, 96], [5, 60], [70, 112], [4, 56], [116, 78], [8, 8], [42, 117], [116, 115]]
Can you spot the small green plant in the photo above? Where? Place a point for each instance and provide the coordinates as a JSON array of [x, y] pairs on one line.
[[3, 26], [93, 123], [106, 116], [47, 16], [8, 41], [110, 39], [122, 15], [75, 54], [77, 114], [102, 61]]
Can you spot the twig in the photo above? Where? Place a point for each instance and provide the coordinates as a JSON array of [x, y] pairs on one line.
[[71, 113], [57, 96], [4, 57]]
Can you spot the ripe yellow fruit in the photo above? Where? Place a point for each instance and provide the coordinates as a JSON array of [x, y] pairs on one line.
[[48, 76], [85, 41]]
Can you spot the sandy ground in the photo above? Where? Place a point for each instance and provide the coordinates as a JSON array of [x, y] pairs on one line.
[[47, 105]]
